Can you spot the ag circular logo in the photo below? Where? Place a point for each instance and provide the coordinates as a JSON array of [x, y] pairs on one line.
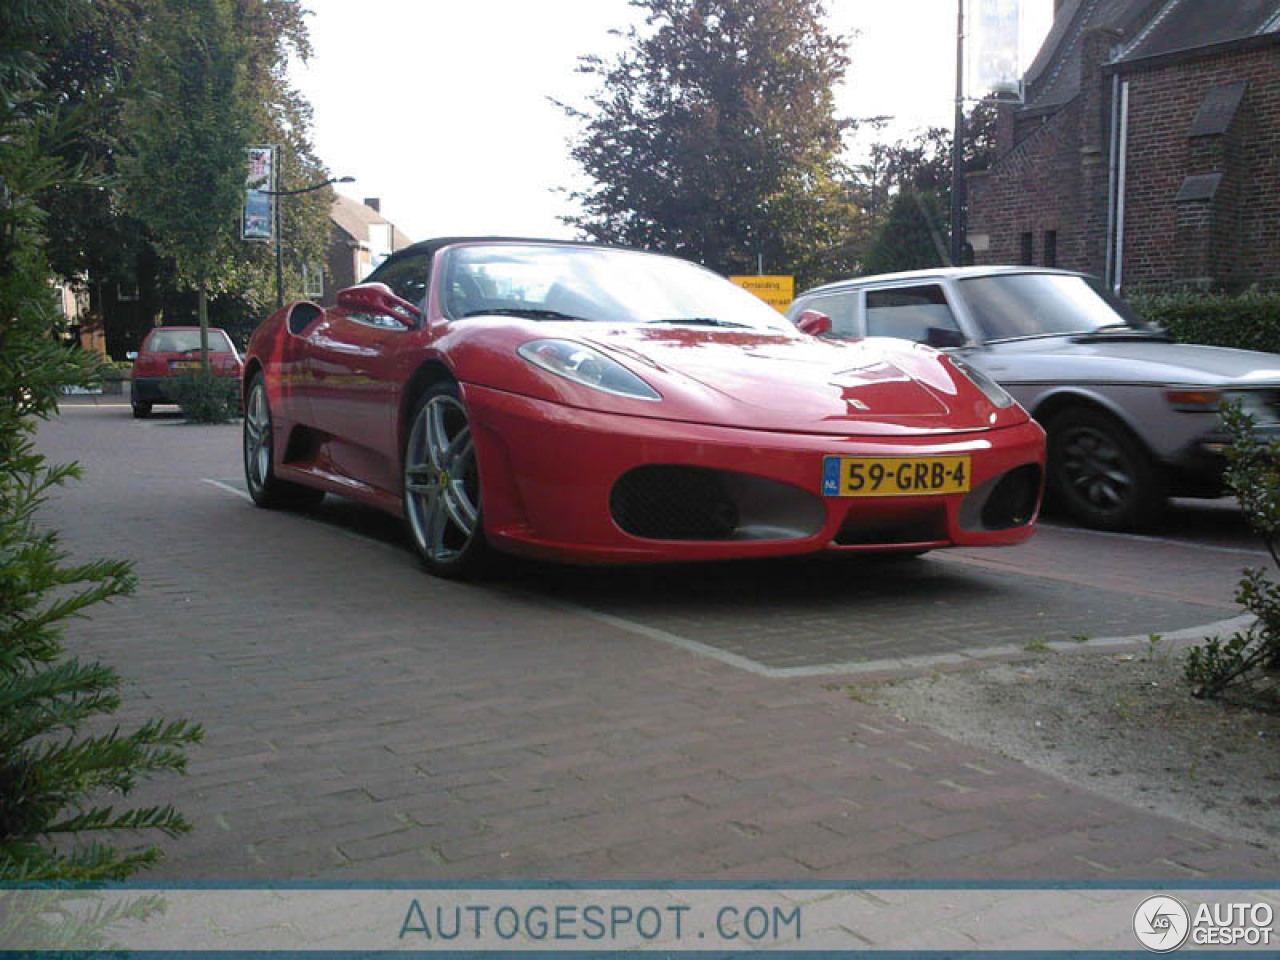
[[1161, 924]]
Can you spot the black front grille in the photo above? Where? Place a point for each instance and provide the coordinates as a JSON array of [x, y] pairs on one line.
[[666, 502]]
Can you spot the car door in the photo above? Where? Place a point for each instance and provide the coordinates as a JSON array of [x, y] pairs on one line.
[[352, 360]]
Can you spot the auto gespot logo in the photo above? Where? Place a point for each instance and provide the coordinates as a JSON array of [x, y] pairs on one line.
[[1162, 924]]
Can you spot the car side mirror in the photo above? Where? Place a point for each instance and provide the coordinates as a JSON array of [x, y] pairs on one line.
[[377, 298], [944, 337], [131, 355], [813, 323]]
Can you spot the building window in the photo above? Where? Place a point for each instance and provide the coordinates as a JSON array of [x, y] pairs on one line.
[[312, 281], [1051, 248], [1027, 256]]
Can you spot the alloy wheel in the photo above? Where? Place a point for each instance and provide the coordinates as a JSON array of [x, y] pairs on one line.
[[1096, 470], [257, 440], [441, 483]]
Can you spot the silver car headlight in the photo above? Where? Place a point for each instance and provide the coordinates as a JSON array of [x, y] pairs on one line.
[[1259, 404], [587, 366], [998, 395]]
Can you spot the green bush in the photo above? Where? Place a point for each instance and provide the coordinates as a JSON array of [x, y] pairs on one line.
[[1253, 474], [1250, 321], [64, 768], [205, 398]]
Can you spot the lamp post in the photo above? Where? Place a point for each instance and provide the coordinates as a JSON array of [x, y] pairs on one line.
[[278, 231], [957, 148]]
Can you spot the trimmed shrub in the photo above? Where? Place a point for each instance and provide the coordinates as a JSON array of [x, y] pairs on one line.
[[1249, 658], [1250, 321], [205, 398]]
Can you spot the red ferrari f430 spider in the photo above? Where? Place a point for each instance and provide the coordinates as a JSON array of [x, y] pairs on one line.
[[584, 403]]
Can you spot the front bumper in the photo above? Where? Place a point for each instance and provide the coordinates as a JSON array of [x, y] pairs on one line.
[[550, 475], [1199, 469]]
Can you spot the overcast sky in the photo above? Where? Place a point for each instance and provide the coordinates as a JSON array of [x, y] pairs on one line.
[[439, 107]]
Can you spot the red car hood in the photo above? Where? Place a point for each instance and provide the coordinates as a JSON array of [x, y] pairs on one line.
[[796, 383]]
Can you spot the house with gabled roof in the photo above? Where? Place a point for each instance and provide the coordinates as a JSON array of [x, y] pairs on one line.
[[360, 238], [1146, 149]]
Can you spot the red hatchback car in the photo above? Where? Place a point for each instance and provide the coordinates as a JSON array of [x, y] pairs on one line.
[[169, 352]]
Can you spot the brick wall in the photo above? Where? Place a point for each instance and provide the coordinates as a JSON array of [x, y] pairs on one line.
[[1056, 176], [1242, 223], [1034, 189]]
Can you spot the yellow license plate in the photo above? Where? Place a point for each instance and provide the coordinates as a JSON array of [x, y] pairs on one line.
[[186, 364], [894, 476]]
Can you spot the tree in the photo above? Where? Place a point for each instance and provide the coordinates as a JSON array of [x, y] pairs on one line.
[[187, 133], [919, 165], [95, 239], [53, 778], [93, 242], [911, 236], [713, 135], [274, 32]]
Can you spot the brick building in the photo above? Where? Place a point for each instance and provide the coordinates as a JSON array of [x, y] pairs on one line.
[[1147, 150], [360, 238]]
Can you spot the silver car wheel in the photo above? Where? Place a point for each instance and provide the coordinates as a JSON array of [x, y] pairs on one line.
[[441, 483], [1096, 469], [257, 439]]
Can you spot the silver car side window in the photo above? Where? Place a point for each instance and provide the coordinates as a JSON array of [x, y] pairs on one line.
[[840, 307], [908, 312]]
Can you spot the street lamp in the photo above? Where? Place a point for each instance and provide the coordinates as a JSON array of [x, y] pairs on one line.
[[279, 235], [957, 148]]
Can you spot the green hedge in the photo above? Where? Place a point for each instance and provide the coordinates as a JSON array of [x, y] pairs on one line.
[[1249, 320], [205, 398]]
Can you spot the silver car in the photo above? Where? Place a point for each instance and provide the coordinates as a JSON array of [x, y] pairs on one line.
[[1132, 418]]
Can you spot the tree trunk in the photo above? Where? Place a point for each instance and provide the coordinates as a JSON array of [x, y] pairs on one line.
[[204, 330]]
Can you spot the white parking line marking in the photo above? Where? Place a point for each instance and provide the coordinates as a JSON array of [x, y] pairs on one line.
[[663, 636], [349, 534], [1145, 538], [227, 487], [925, 662]]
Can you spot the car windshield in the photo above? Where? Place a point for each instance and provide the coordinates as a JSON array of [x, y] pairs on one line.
[[597, 285], [1043, 304], [180, 341]]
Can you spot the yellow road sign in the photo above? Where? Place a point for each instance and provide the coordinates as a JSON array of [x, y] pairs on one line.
[[778, 292]]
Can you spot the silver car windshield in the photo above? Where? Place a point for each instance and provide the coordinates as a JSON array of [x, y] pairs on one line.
[[1043, 304], [598, 285]]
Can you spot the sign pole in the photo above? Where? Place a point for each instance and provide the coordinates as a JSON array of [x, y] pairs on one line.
[[277, 187], [957, 148]]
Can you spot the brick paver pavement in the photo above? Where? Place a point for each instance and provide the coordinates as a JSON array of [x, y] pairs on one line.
[[366, 721]]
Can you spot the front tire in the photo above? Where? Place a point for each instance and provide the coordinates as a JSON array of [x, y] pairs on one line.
[[441, 486], [1100, 474], [141, 410], [265, 488]]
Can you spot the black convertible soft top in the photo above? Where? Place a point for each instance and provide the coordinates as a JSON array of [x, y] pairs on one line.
[[431, 246]]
